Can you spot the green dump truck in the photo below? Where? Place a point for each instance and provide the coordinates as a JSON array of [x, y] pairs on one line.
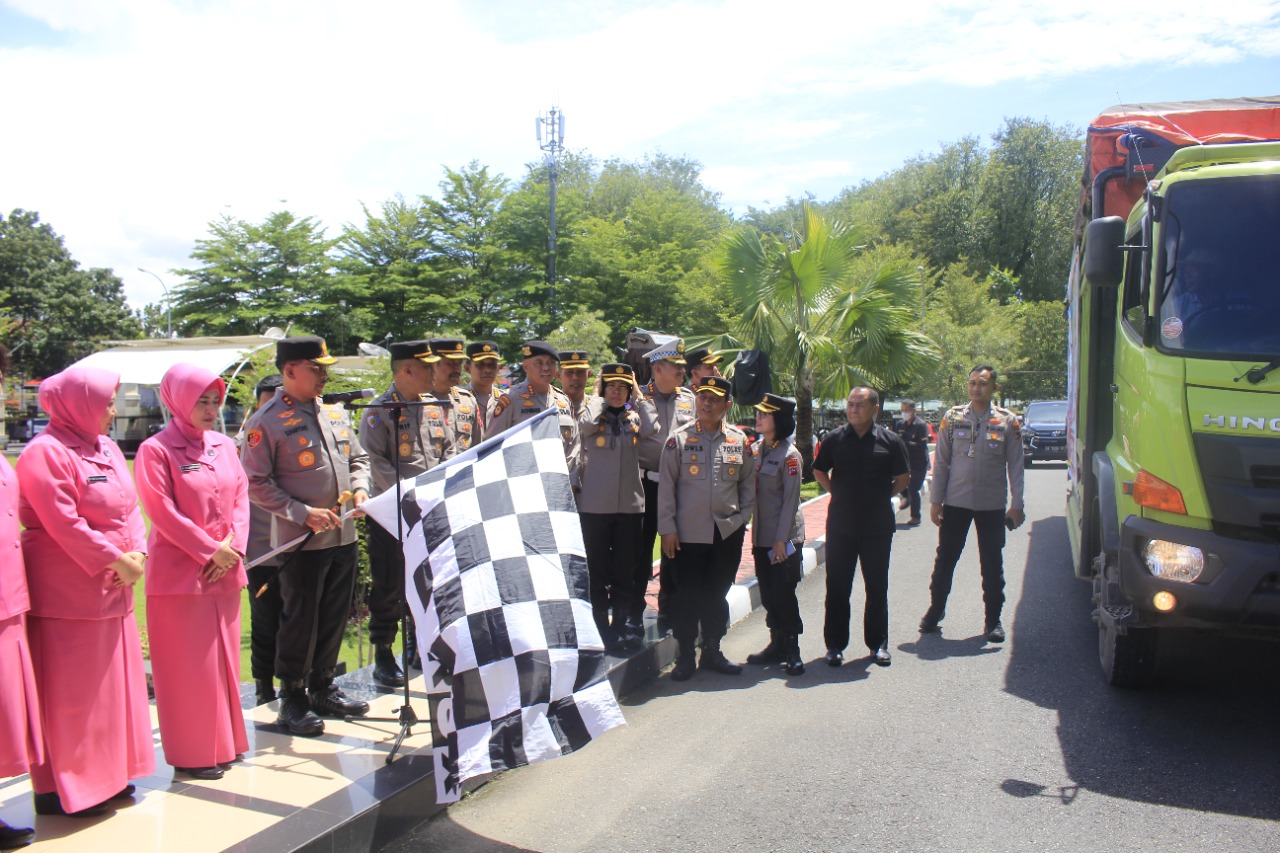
[[1173, 496]]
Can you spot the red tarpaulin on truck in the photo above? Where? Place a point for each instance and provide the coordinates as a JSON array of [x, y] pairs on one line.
[[1179, 123]]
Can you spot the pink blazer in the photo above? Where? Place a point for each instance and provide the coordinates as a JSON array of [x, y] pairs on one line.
[[13, 580], [195, 494], [80, 511]]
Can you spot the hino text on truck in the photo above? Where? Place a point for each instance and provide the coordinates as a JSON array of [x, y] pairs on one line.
[[1173, 501]]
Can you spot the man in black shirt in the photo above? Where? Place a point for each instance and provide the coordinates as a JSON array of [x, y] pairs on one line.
[[916, 436], [864, 466]]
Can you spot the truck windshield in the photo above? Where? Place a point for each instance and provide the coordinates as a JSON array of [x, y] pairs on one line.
[[1220, 261]]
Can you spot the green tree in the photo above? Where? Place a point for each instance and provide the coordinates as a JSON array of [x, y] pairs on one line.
[[58, 312], [384, 275], [824, 330], [254, 276], [589, 332], [1042, 353], [970, 327]]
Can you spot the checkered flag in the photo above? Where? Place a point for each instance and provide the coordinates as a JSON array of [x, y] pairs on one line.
[[496, 578]]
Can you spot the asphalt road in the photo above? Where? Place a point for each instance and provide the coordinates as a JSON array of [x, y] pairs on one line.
[[959, 745]]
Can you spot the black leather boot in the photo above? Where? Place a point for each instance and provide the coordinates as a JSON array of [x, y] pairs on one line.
[[264, 690], [793, 664], [772, 653], [386, 671], [714, 660], [295, 712]]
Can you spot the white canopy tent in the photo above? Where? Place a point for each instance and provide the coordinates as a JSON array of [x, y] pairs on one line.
[[144, 362]]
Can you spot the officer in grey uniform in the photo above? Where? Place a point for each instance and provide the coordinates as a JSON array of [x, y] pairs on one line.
[[702, 362], [706, 494], [265, 605], [612, 425], [673, 407], [300, 457], [452, 420], [979, 449], [396, 442], [483, 363], [575, 370], [777, 531], [533, 395]]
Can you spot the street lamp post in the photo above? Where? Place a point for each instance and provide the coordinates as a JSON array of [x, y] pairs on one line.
[[168, 303]]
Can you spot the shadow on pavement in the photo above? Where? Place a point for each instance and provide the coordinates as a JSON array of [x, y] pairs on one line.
[[938, 647], [1203, 736]]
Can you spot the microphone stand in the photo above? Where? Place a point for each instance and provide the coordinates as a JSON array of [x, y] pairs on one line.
[[406, 717]]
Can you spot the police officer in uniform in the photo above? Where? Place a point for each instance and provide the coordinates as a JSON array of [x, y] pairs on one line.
[[265, 605], [483, 363], [611, 498], [533, 395], [673, 406], [300, 456], [979, 449], [706, 494], [452, 422], [776, 529], [393, 437], [702, 362], [575, 369]]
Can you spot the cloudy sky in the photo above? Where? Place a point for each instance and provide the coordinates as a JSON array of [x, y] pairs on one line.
[[131, 124]]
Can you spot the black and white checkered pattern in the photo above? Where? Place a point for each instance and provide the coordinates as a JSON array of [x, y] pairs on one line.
[[496, 576]]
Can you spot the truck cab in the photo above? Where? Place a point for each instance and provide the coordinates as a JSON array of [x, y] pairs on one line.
[[1174, 360]]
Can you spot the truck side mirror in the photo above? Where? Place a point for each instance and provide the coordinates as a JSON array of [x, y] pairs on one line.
[[1103, 257]]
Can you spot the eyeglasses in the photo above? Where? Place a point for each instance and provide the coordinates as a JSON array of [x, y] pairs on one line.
[[320, 369]]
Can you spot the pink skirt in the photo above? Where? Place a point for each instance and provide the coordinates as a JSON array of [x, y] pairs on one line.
[[93, 708], [20, 738], [195, 667]]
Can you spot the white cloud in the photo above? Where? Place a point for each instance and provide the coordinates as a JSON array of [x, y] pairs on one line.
[[149, 118]]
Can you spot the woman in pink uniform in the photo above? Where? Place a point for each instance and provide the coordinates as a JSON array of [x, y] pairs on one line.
[[196, 494], [19, 712], [84, 547]]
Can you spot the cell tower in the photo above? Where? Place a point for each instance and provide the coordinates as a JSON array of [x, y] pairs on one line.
[[551, 140]]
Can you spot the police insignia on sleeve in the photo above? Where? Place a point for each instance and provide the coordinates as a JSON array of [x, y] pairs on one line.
[[254, 438]]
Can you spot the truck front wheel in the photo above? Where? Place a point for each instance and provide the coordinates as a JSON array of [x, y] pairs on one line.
[[1128, 660]]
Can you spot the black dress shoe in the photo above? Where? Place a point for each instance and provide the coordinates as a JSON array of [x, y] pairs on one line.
[[684, 668], [882, 656], [13, 837], [124, 793], [834, 657], [716, 662], [296, 715], [209, 774], [995, 633], [50, 804], [929, 624], [333, 702]]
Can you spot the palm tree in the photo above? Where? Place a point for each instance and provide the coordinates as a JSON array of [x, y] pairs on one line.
[[799, 302]]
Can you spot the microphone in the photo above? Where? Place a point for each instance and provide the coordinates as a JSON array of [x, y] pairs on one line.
[[347, 396]]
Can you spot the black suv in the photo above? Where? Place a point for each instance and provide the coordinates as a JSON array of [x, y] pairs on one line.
[[1044, 431]]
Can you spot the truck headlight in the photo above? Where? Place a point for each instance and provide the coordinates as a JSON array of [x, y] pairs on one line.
[[1171, 561]]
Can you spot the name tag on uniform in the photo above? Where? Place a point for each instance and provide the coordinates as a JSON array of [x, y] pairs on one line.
[[189, 469], [98, 478]]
